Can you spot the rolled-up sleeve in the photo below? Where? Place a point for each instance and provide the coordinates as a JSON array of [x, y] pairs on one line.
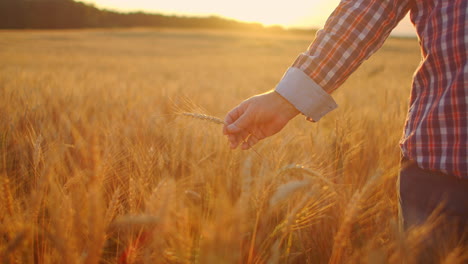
[[353, 32]]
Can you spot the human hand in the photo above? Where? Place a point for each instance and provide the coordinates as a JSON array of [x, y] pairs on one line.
[[256, 118]]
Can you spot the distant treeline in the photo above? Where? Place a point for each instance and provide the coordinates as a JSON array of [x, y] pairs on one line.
[[62, 14]]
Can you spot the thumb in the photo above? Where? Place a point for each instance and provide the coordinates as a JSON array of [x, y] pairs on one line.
[[242, 123]]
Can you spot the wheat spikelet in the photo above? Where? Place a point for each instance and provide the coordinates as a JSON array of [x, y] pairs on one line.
[[342, 235], [208, 118], [134, 221], [291, 168], [112, 207], [37, 153], [218, 121], [341, 240], [315, 209], [13, 245], [73, 182], [284, 191], [7, 196], [456, 256], [96, 226]]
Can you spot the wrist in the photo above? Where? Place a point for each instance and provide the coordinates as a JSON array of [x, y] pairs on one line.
[[286, 107]]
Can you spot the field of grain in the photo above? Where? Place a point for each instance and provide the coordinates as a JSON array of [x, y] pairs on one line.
[[97, 164]]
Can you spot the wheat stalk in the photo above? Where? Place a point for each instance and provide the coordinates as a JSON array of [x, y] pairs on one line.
[[212, 119], [112, 207], [341, 243], [218, 121], [457, 255], [7, 200], [284, 191]]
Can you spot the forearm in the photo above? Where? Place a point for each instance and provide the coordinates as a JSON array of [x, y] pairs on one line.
[[354, 31]]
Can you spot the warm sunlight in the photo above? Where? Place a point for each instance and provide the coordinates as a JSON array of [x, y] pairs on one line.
[[292, 13], [178, 131]]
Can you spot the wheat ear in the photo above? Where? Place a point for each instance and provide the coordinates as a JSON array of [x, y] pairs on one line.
[[219, 121], [212, 119]]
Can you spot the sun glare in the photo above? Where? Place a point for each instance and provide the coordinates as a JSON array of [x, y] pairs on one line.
[[292, 13]]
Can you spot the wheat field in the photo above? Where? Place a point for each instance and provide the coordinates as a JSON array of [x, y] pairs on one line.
[[98, 163]]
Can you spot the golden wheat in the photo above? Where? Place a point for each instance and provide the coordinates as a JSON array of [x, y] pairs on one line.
[[86, 176], [208, 118]]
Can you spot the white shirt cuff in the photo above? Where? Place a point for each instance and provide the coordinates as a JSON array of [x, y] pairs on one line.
[[305, 94]]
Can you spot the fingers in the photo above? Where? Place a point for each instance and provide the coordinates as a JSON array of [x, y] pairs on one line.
[[252, 140], [231, 117], [239, 130], [236, 139], [245, 139], [244, 122], [238, 119], [239, 123]]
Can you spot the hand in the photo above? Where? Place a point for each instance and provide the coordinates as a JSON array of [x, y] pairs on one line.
[[256, 118]]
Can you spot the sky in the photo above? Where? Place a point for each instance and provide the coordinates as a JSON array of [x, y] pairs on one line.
[[291, 13]]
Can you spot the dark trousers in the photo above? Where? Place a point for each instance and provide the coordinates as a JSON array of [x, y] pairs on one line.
[[423, 192]]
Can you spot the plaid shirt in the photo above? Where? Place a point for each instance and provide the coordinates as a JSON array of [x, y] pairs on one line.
[[436, 129]]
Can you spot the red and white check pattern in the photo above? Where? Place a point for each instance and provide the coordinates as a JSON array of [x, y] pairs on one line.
[[436, 130]]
